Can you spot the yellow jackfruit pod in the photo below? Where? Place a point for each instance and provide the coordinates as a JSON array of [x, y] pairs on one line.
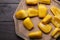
[[55, 10], [45, 1], [47, 19], [55, 33], [45, 28], [32, 2], [42, 10], [37, 34], [21, 14], [57, 17], [28, 23], [32, 12], [55, 22]]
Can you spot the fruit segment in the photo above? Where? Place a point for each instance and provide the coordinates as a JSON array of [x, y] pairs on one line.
[[57, 17], [55, 22], [45, 28], [32, 12], [47, 19], [28, 23], [55, 33], [55, 10], [45, 1], [31, 2], [42, 10], [21, 14], [37, 34]]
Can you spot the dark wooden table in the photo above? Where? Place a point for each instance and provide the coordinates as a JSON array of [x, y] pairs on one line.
[[7, 30]]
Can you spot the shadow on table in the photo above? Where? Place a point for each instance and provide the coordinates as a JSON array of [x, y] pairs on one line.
[[58, 38], [19, 38]]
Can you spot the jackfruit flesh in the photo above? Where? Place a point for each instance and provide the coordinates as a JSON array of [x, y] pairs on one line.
[[32, 12], [47, 19], [55, 33], [21, 14], [45, 1], [45, 28], [57, 17], [55, 10], [31, 2], [42, 10], [28, 23], [55, 22], [37, 34]]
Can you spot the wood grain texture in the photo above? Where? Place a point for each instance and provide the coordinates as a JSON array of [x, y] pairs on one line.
[[7, 31], [6, 11], [9, 1]]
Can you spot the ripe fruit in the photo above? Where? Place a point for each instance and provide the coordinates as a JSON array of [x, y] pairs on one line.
[[28, 23], [37, 34], [32, 12], [42, 10], [45, 28], [21, 14]]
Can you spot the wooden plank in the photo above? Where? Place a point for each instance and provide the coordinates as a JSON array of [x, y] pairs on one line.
[[58, 1], [9, 1], [7, 31], [6, 11]]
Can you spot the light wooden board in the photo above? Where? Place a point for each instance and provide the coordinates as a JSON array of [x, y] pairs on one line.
[[57, 1], [23, 32]]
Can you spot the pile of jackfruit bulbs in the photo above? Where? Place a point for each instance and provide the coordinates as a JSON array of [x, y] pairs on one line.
[[41, 12]]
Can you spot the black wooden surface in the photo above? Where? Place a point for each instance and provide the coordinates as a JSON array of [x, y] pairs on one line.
[[7, 30], [6, 11], [9, 1]]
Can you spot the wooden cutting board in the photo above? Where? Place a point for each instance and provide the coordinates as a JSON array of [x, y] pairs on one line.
[[57, 1], [23, 32]]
